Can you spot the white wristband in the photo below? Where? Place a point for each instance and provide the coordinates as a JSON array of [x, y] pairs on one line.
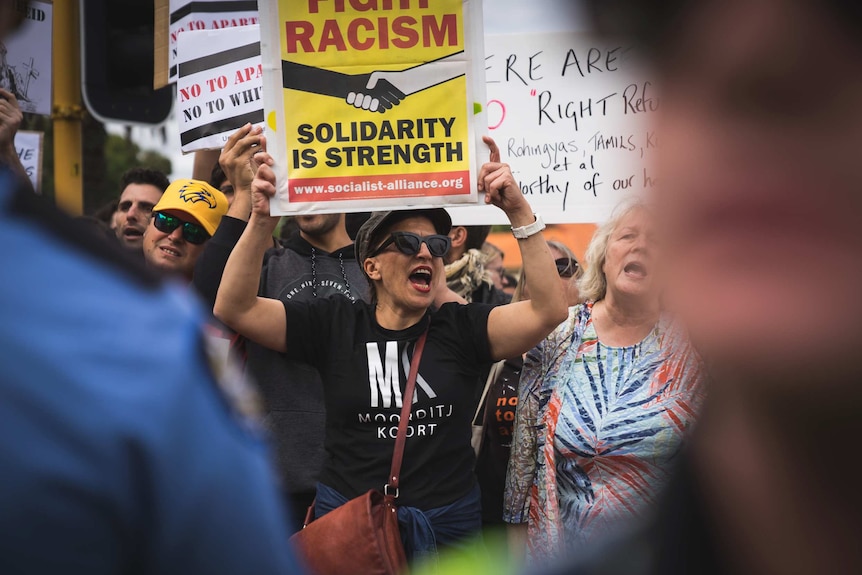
[[525, 232]]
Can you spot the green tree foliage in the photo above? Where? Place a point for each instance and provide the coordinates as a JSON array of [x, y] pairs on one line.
[[122, 154], [106, 157]]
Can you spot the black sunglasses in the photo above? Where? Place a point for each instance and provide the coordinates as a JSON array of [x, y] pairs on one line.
[[192, 233], [409, 244], [566, 267]]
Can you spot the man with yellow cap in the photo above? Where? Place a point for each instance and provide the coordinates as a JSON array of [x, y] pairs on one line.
[[183, 220]]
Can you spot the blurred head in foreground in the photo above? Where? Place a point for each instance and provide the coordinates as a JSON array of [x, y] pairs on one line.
[[761, 210], [760, 197]]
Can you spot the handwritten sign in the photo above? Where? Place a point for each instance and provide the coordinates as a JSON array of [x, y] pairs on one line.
[[186, 15], [370, 102], [571, 114], [217, 93], [25, 59], [29, 148]]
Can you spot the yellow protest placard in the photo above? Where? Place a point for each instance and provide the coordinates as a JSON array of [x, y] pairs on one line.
[[369, 103]]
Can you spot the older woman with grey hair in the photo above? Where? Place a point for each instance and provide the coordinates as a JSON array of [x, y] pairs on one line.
[[604, 401]]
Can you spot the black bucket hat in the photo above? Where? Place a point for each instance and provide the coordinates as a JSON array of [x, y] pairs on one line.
[[369, 234]]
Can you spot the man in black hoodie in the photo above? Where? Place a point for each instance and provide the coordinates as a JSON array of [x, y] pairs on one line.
[[315, 262]]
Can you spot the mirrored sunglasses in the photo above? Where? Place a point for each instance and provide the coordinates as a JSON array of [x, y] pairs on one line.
[[192, 233], [566, 267], [409, 244]]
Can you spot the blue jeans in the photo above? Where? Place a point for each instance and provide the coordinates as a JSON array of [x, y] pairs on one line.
[[422, 531]]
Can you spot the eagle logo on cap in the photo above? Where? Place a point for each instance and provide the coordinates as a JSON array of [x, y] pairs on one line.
[[194, 194]]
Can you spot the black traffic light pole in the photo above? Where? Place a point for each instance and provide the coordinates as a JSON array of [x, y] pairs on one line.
[[117, 62]]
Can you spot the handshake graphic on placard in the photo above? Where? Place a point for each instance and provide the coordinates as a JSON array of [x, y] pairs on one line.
[[378, 91]]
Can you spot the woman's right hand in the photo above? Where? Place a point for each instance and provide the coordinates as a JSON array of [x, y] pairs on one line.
[[235, 157], [263, 187]]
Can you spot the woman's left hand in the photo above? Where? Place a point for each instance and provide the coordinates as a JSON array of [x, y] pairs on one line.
[[501, 189]]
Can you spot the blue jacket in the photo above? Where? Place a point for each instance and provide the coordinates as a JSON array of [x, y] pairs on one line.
[[119, 453]]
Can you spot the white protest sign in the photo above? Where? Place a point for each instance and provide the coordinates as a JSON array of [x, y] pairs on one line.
[[25, 60], [28, 145], [571, 114], [218, 92], [188, 15]]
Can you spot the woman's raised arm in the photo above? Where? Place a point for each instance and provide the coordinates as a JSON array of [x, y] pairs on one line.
[[237, 304], [515, 328]]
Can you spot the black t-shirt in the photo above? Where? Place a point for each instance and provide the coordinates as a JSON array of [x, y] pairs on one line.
[[358, 361], [500, 405]]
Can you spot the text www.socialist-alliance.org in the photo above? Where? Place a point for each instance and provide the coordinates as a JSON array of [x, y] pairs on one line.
[[396, 185]]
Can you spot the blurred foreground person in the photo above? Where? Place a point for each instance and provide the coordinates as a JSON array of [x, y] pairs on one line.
[[120, 452], [604, 401], [761, 204]]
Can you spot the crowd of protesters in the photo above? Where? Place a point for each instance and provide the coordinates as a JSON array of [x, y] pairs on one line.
[[683, 400]]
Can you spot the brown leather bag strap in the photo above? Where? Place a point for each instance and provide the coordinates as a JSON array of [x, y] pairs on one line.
[[391, 487]]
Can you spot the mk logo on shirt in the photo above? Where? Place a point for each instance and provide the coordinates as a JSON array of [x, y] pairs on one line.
[[384, 376]]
